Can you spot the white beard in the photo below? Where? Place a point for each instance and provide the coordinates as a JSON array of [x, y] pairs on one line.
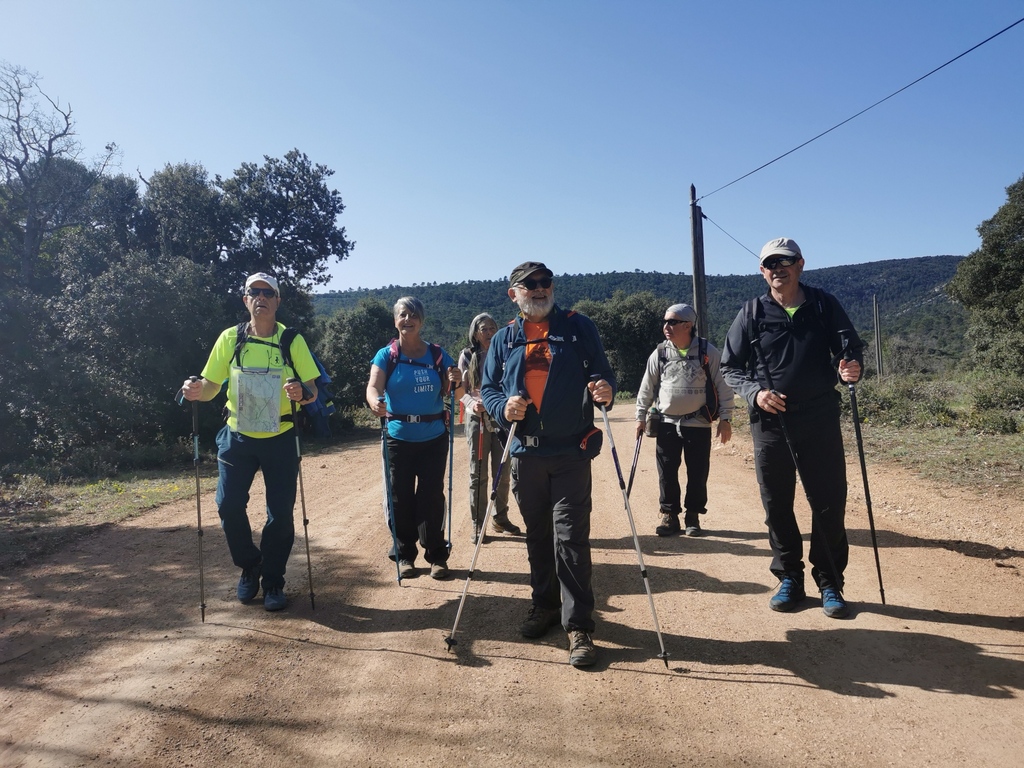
[[537, 307]]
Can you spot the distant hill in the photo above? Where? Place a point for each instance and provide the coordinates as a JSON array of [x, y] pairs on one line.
[[910, 292]]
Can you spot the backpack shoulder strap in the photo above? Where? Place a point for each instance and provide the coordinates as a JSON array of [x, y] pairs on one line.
[[240, 338]]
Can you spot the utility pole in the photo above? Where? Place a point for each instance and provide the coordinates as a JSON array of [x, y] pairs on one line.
[[700, 293]]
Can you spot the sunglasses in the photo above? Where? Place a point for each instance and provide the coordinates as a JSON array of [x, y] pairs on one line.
[[779, 261], [531, 285], [268, 292], [673, 321]]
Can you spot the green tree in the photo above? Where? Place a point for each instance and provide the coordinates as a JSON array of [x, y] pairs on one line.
[[350, 340], [630, 327], [990, 285], [45, 188], [283, 219]]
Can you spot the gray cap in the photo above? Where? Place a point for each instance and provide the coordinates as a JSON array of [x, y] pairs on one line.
[[685, 312], [780, 246]]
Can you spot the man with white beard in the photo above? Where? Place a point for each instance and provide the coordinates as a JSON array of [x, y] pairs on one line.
[[544, 372]]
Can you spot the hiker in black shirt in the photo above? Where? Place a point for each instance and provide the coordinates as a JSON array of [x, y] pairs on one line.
[[798, 330]]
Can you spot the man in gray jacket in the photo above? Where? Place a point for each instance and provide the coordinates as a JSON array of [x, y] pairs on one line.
[[674, 383]]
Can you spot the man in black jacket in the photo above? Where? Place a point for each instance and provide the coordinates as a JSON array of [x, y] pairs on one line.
[[791, 337]]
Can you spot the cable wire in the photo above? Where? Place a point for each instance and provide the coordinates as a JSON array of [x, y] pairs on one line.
[[880, 101]]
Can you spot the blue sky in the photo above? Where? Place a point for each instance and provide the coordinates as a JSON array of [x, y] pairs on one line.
[[467, 136]]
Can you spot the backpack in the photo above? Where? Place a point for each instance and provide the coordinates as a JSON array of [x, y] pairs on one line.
[[820, 305], [314, 416], [710, 408], [436, 356]]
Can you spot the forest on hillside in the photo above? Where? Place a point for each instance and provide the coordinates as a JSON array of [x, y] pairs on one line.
[[911, 299]]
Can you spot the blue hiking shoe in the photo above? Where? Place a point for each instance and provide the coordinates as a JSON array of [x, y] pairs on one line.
[[832, 603], [274, 599], [790, 593], [249, 583]]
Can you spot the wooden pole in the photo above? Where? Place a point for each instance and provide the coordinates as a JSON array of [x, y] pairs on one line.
[[700, 294]]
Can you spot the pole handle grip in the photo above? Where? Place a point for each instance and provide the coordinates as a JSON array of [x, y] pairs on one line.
[[307, 394], [180, 399]]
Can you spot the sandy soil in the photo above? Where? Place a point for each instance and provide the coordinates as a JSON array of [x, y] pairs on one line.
[[104, 659]]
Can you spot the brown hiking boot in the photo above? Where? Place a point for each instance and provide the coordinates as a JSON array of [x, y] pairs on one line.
[[504, 525], [582, 652], [669, 525]]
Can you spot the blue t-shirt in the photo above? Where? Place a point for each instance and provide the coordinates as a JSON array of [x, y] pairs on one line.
[[414, 390]]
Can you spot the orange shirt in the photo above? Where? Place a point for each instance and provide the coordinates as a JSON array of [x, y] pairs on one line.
[[538, 360]]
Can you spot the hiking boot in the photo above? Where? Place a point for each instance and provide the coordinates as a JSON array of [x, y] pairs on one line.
[[504, 525], [439, 571], [539, 621], [249, 583], [693, 528], [669, 525], [790, 593], [475, 536], [274, 599], [406, 569], [833, 605], [582, 652]]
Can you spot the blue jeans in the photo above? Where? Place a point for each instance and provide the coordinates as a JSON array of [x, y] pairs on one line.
[[238, 459]]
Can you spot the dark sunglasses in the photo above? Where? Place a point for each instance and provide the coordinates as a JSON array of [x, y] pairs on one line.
[[268, 292], [673, 321], [531, 285], [780, 261]]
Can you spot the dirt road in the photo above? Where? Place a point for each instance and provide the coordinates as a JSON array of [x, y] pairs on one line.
[[104, 660]]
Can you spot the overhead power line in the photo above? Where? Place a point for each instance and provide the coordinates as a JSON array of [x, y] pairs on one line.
[[894, 93]]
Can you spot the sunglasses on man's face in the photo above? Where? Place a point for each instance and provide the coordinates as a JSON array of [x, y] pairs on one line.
[[671, 321], [531, 285], [268, 292], [780, 261]]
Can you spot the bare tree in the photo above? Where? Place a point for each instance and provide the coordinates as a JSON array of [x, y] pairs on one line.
[[45, 187]]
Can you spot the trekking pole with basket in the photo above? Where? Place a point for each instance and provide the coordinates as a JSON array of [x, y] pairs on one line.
[[450, 640], [632, 526], [199, 506], [845, 336], [451, 459], [389, 505], [306, 395]]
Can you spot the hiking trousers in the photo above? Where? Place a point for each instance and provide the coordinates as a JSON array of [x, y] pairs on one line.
[[480, 477], [238, 459], [554, 495], [674, 445], [818, 443], [417, 493]]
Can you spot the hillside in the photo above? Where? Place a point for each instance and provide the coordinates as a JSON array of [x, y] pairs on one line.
[[912, 302]]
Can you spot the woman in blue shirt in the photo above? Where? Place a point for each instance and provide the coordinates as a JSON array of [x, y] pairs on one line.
[[409, 380]]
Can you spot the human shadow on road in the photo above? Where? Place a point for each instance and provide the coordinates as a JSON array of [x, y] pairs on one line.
[[847, 661], [861, 537]]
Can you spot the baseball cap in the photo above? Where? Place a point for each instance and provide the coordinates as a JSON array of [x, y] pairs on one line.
[[262, 277], [780, 246], [526, 269], [685, 312]]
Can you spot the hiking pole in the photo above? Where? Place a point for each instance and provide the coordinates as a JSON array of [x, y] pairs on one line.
[[306, 395], [199, 507], [480, 484], [756, 343], [450, 640], [451, 458], [845, 336], [632, 469], [632, 526], [389, 506]]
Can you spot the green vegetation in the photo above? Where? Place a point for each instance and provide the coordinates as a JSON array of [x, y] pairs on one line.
[[112, 292]]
